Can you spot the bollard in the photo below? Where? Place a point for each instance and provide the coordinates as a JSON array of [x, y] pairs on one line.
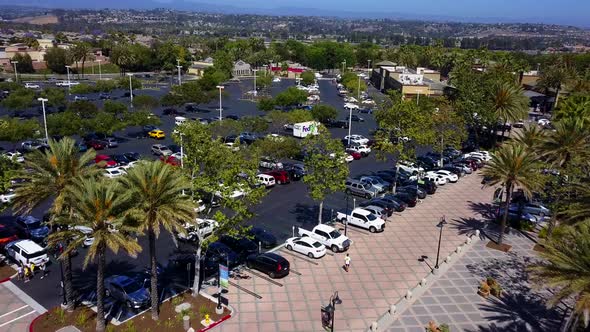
[[477, 233], [408, 294], [374, 326], [458, 250], [468, 241], [448, 259], [186, 322], [423, 282], [392, 309]]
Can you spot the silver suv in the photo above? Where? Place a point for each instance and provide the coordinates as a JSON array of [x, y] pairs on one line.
[[359, 188]]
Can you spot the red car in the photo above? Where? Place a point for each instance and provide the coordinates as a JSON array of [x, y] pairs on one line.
[[7, 235], [281, 177], [96, 145], [170, 160], [105, 161], [356, 155]]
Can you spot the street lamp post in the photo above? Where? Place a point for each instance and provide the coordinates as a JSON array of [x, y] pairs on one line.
[[331, 308], [15, 71], [369, 67], [255, 92], [343, 66], [181, 153], [69, 82], [441, 224], [220, 87], [99, 70], [43, 100], [179, 67], [349, 124], [130, 89], [359, 89]]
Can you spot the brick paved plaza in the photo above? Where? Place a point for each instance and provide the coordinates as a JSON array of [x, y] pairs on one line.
[[384, 266]]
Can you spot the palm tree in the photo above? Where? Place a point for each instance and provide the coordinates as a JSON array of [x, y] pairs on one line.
[[553, 78], [53, 172], [566, 266], [155, 189], [570, 138], [513, 165], [100, 205], [531, 137], [509, 103]]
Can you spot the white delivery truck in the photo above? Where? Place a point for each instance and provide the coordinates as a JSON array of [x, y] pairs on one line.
[[303, 129]]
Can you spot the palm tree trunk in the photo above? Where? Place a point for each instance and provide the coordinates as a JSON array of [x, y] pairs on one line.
[[153, 273], [556, 98], [68, 287], [83, 61], [100, 321], [320, 214], [197, 278], [504, 129], [505, 216]]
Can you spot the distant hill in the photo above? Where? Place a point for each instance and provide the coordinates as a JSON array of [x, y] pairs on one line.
[[38, 20]]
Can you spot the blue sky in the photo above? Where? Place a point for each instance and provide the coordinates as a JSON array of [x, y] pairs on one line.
[[543, 10]]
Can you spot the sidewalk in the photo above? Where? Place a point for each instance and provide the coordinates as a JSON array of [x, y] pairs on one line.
[[17, 309], [453, 298], [384, 266]]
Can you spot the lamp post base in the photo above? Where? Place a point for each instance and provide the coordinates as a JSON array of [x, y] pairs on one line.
[[219, 310]]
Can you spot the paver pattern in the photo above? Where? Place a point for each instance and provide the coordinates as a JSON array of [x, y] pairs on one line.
[[384, 266], [453, 298], [15, 313]]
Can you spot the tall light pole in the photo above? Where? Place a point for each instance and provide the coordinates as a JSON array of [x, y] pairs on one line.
[[359, 89], [15, 71], [179, 67], [255, 93], [441, 224], [343, 66], [220, 87], [43, 100], [99, 69], [349, 123], [130, 89], [181, 153], [69, 83], [369, 66], [331, 309]]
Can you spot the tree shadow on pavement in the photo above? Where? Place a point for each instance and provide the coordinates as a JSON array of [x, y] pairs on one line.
[[468, 226], [486, 210], [84, 280], [307, 215]]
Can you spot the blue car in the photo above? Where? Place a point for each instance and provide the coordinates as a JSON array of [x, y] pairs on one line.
[[219, 253], [29, 227], [82, 147], [127, 290]]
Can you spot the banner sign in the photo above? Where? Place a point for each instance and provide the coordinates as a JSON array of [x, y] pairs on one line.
[[223, 276]]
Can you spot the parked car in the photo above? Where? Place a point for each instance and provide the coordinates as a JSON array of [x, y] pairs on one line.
[[306, 246], [161, 150], [270, 163], [103, 160], [535, 208], [387, 206], [111, 142], [113, 172], [405, 197], [170, 160], [296, 171], [274, 265], [7, 197], [412, 190], [157, 134], [25, 252], [354, 154], [447, 175], [96, 144], [362, 218], [132, 156], [357, 139], [120, 159], [127, 290], [32, 86], [409, 167], [218, 253], [267, 180], [377, 211], [361, 148], [356, 187], [29, 227], [378, 184], [328, 236], [241, 246], [356, 118], [14, 156], [281, 177], [262, 236], [104, 96], [7, 235]]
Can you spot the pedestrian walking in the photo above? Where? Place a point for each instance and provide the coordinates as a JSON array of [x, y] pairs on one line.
[[27, 273], [42, 268], [347, 262], [32, 269], [20, 272]]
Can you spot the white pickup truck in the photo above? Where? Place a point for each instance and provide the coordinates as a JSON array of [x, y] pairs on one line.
[[328, 236], [362, 218]]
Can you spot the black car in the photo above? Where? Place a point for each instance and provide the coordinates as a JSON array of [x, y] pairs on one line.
[[264, 237], [104, 96], [219, 253], [296, 171], [386, 206], [356, 118], [413, 190], [232, 117], [366, 110], [454, 169], [120, 159], [132, 156], [241, 246], [272, 264], [336, 124], [171, 111], [405, 197], [396, 203], [428, 186], [174, 148]]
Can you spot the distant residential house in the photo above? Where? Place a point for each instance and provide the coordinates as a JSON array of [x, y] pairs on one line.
[[293, 69], [241, 68], [198, 67]]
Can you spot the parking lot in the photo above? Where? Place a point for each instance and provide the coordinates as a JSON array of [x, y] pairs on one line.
[[284, 207]]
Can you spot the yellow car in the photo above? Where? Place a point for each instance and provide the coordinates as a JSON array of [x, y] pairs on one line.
[[157, 134]]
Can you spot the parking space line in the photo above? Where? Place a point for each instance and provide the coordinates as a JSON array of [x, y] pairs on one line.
[[329, 254], [264, 277], [17, 318], [297, 256], [245, 290], [297, 273], [355, 230], [15, 310]]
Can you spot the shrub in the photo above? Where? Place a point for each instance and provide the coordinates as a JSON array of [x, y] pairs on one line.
[[106, 86], [82, 319], [203, 310], [60, 315], [82, 89], [129, 327]]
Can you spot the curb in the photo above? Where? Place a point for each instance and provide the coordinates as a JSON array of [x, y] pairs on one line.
[[223, 319], [32, 325]]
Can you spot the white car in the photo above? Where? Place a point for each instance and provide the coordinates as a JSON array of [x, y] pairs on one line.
[[276, 79], [438, 179], [483, 155], [350, 100], [31, 86], [14, 156], [368, 102], [362, 149], [351, 106], [177, 155], [357, 139], [25, 252], [543, 122], [113, 172], [448, 176], [129, 165], [409, 167], [87, 232], [161, 150], [7, 196], [306, 246]]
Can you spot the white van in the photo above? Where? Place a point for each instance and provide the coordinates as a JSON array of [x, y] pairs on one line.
[[267, 180], [179, 120], [25, 252]]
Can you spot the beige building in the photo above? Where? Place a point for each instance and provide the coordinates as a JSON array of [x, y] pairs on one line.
[[411, 83], [198, 67], [241, 68]]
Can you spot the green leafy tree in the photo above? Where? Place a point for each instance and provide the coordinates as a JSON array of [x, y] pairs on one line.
[[141, 118], [509, 103], [145, 102], [15, 130], [104, 123], [323, 112], [513, 166], [101, 206], [290, 97], [82, 89], [55, 97], [327, 170], [154, 188], [266, 104], [570, 139], [55, 172], [106, 86], [254, 124], [116, 108], [65, 124], [19, 99], [25, 63], [8, 171], [278, 147], [57, 59], [123, 83], [307, 78]]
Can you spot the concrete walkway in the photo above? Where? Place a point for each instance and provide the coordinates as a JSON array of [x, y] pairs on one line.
[[453, 298], [384, 266], [17, 309]]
